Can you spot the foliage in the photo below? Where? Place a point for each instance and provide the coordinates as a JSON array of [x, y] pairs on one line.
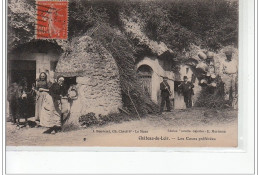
[[83, 15], [20, 22], [158, 26], [92, 119], [214, 22], [123, 52], [211, 97], [179, 24]]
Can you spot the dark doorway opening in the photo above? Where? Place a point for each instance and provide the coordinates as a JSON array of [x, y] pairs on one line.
[[23, 69], [68, 81], [176, 86]]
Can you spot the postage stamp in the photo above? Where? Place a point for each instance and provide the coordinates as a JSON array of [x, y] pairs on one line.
[[52, 19]]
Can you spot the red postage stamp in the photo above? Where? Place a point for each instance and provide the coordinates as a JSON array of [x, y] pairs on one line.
[[52, 19]]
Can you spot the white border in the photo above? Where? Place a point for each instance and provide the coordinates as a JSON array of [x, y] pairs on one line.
[[2, 64], [216, 161]]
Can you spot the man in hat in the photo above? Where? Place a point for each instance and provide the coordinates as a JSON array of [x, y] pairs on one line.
[[187, 90], [229, 77], [165, 94]]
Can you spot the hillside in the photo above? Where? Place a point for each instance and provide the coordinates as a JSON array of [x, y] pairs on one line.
[[131, 29]]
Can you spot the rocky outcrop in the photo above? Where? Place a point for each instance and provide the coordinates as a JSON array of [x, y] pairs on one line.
[[135, 31], [97, 78]]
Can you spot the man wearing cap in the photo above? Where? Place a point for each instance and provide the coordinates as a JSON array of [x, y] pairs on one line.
[[187, 90], [165, 94]]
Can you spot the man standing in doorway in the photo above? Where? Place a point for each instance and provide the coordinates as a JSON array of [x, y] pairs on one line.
[[187, 90], [165, 94]]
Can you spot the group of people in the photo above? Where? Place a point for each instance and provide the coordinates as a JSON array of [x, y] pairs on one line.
[[186, 88], [19, 100], [51, 103]]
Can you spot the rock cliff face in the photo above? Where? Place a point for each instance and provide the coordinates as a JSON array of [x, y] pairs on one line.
[[97, 78]]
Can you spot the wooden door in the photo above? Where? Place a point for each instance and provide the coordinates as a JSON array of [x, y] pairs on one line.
[[146, 83], [145, 77]]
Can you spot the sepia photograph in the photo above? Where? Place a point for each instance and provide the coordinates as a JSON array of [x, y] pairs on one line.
[[117, 73]]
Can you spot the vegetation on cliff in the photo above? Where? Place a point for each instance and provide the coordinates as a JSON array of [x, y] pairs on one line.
[[175, 27]]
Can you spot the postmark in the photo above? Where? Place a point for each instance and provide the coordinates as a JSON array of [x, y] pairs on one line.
[[52, 19]]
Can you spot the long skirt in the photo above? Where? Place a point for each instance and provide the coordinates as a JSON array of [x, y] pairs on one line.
[[40, 96], [50, 112], [65, 110]]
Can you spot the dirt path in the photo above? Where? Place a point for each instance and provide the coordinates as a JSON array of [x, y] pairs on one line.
[[194, 123]]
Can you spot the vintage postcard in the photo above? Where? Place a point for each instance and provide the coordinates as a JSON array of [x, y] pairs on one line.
[[116, 73]]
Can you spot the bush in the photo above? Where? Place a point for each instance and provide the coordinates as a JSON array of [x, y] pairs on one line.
[[92, 119], [211, 98]]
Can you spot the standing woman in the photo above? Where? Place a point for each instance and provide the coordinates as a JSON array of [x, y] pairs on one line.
[[53, 106], [42, 86]]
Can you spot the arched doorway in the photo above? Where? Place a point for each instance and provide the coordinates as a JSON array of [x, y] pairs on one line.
[[145, 76], [28, 60]]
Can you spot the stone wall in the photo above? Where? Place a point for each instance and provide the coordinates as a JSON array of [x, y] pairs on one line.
[[97, 78], [100, 95]]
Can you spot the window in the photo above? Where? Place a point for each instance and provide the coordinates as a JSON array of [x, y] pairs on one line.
[[70, 81]]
